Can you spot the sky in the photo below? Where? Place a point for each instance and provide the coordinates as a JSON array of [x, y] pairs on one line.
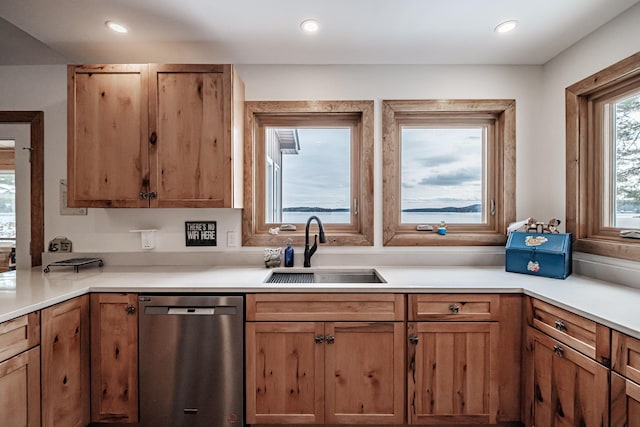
[[319, 175], [440, 167]]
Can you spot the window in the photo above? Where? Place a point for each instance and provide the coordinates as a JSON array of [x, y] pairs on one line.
[[7, 192], [603, 160], [451, 161], [309, 158]]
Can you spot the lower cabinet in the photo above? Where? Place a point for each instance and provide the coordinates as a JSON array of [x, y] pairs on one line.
[[306, 371], [625, 381], [65, 363], [625, 402], [20, 371], [114, 357], [453, 372], [563, 386], [454, 345]]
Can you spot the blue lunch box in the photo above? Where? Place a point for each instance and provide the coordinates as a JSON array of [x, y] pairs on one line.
[[539, 254]]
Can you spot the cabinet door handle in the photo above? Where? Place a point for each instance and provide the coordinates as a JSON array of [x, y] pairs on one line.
[[558, 350], [560, 325], [153, 195], [329, 339], [413, 339], [143, 195], [130, 309], [319, 339], [153, 138], [455, 308]]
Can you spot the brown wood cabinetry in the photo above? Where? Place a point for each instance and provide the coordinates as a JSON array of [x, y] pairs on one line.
[[154, 136], [625, 381], [114, 357], [65, 363], [316, 366], [20, 371], [459, 360], [565, 383]]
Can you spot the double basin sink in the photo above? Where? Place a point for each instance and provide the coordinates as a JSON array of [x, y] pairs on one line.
[[326, 276]]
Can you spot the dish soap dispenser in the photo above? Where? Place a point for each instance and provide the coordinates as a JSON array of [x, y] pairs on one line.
[[288, 255]]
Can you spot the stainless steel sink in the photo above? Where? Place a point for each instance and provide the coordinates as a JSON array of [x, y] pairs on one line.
[[326, 276]]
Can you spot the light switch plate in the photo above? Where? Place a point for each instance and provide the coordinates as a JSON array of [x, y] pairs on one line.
[[64, 209], [232, 239]]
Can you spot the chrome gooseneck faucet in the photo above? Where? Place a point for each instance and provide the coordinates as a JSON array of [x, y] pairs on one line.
[[308, 252]]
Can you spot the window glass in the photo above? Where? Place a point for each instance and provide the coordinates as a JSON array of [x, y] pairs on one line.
[[7, 205], [443, 175], [308, 173], [623, 131]]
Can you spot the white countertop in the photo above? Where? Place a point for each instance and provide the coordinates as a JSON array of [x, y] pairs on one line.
[[613, 305]]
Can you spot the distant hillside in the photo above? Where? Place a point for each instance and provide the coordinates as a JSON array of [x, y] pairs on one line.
[[470, 208], [314, 209]]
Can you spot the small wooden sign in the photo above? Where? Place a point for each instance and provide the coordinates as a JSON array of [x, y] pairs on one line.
[[200, 233]]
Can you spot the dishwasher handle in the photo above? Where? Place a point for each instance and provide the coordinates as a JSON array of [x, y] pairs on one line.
[[206, 311], [191, 311]]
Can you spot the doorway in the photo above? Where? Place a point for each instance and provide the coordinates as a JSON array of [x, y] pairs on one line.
[[33, 243]]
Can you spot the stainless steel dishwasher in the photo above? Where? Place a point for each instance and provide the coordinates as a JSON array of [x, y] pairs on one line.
[[191, 351]]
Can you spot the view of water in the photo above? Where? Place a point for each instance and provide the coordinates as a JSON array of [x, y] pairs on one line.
[[407, 217]]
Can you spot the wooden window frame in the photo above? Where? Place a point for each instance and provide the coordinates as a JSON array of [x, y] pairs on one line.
[[584, 161], [255, 232], [500, 173]]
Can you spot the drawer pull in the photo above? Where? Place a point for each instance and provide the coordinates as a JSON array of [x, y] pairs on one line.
[[329, 339], [130, 309], [319, 339], [413, 339], [561, 326], [455, 308], [558, 350]]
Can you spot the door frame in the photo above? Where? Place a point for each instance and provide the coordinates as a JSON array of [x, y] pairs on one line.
[[36, 120]]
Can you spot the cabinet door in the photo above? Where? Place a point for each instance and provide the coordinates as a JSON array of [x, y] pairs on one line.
[[453, 374], [191, 118], [65, 363], [114, 357], [107, 155], [565, 388], [20, 390], [284, 372], [625, 402], [364, 378]]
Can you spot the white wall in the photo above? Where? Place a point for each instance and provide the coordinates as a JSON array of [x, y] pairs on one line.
[[107, 230], [611, 43], [538, 90]]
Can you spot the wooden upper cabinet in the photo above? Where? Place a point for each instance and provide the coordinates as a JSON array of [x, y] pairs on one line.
[[155, 136], [191, 119], [107, 130]]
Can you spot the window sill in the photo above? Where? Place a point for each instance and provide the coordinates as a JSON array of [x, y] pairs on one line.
[[431, 238], [616, 247]]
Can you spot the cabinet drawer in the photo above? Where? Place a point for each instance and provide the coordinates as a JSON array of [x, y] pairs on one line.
[[584, 335], [626, 356], [19, 334], [454, 307], [314, 307]]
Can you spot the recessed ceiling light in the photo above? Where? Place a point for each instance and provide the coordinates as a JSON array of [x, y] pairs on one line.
[[118, 28], [309, 26], [506, 26]]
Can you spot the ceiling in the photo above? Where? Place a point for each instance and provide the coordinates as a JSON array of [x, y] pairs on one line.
[[268, 31]]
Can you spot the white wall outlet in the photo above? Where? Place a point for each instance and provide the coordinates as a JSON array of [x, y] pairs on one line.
[[232, 239], [147, 238]]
